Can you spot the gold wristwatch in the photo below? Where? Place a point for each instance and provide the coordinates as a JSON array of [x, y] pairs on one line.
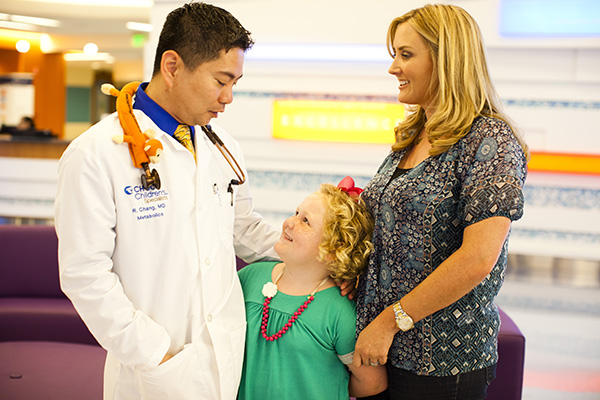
[[403, 320]]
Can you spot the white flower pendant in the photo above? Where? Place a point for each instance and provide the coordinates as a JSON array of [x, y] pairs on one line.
[[269, 289]]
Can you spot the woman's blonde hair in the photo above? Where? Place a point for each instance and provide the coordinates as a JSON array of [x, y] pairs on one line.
[[347, 232], [461, 87]]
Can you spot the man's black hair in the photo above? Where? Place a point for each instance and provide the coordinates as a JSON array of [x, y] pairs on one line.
[[198, 32]]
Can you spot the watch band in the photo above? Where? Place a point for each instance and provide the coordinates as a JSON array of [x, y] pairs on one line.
[[403, 320]]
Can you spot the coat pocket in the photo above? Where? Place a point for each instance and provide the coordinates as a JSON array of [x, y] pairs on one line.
[[180, 378], [226, 213]]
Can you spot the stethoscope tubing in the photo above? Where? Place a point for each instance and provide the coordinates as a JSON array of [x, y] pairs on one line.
[[214, 138]]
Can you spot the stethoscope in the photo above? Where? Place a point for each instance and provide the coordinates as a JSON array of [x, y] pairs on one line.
[[153, 179], [137, 143], [239, 173]]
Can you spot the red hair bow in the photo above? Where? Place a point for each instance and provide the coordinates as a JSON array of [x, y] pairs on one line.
[[347, 185]]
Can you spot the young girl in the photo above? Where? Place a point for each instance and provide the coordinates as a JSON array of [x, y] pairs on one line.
[[301, 331]]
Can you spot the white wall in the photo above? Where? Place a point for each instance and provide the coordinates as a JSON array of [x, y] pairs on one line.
[[550, 87]]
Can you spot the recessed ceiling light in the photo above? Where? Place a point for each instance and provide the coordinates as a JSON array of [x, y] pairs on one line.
[[23, 46], [90, 49]]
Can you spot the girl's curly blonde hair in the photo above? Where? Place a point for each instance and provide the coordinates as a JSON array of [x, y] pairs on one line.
[[347, 232]]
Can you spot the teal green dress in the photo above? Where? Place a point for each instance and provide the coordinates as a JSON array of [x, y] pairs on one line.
[[303, 364]]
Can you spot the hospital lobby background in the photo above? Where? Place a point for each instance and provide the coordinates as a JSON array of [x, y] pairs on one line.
[[550, 87]]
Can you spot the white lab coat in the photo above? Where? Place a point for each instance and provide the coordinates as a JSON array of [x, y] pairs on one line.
[[152, 271]]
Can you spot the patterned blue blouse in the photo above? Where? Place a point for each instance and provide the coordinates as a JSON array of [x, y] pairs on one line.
[[419, 222]]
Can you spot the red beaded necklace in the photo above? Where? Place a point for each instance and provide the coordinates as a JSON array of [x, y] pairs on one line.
[[269, 290]]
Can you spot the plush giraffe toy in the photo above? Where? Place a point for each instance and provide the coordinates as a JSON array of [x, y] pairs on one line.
[[143, 147]]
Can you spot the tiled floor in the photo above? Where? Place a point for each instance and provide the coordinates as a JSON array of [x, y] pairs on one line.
[[559, 314]]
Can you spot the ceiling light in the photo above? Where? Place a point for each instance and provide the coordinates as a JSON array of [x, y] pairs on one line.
[[46, 44], [34, 20], [88, 57], [17, 26], [138, 26], [23, 46], [90, 49]]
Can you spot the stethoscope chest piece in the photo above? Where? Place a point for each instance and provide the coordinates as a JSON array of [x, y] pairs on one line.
[[150, 179]]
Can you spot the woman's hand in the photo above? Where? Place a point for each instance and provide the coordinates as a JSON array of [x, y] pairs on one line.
[[374, 342], [347, 288]]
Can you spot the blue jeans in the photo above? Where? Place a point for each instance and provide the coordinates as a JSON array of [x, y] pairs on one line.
[[405, 385]]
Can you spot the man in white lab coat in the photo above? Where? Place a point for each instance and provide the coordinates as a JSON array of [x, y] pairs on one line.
[[152, 271]]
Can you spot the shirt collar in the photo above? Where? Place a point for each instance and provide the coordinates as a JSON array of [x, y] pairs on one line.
[[156, 113]]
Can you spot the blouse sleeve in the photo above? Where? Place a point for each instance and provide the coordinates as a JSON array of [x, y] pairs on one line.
[[494, 166], [346, 333]]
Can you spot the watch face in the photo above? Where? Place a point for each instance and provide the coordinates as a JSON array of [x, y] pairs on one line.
[[404, 323]]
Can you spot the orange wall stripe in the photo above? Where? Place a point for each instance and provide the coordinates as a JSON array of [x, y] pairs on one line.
[[587, 164], [50, 93]]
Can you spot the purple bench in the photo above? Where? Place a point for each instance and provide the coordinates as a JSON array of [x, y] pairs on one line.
[[508, 384], [51, 371], [46, 351], [32, 306]]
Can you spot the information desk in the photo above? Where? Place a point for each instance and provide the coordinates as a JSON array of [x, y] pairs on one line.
[[31, 147]]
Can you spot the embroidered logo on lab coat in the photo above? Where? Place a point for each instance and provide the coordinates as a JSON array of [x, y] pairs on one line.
[[149, 203]]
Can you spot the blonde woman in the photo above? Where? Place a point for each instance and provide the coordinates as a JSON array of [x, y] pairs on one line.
[[443, 201], [301, 330]]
